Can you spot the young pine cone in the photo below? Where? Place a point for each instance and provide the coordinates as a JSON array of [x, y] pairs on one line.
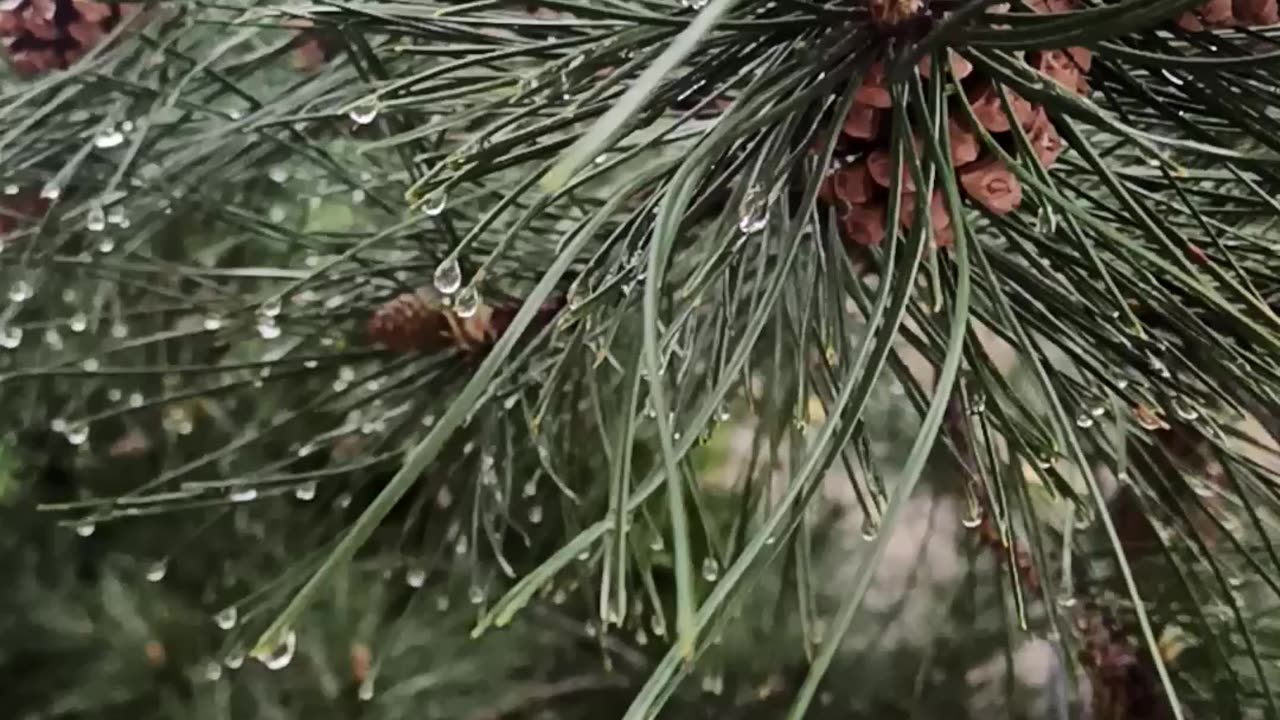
[[43, 35], [420, 322]]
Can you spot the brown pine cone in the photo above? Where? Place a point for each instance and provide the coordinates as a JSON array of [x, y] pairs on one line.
[[43, 35], [420, 322]]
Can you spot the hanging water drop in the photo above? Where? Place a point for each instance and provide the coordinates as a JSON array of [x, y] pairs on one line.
[[972, 519], [1066, 600], [870, 528], [710, 569], [212, 671], [753, 211], [476, 594], [96, 219], [106, 244], [365, 112], [226, 617], [535, 514], [85, 528], [20, 291], [11, 189], [212, 321], [77, 433], [10, 336], [1184, 409], [1084, 420], [448, 277], [467, 302], [281, 655], [365, 691], [91, 365], [78, 322], [157, 570], [108, 137], [234, 659], [267, 328], [435, 202], [415, 577], [51, 191], [306, 491], [119, 330], [243, 495], [278, 173]]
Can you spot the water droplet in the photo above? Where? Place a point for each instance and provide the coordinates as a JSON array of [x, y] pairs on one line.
[[365, 112], [85, 528], [467, 302], [106, 244], [157, 570], [365, 691], [535, 514], [11, 189], [448, 277], [20, 291], [51, 191], [267, 328], [476, 594], [710, 569], [91, 364], [10, 336], [135, 399], [243, 495], [870, 528], [461, 546], [226, 617], [1084, 420], [306, 491], [435, 202], [212, 321], [212, 671], [119, 330], [415, 577], [78, 322], [234, 659], [972, 519], [281, 655], [278, 173], [114, 394], [712, 683], [1184, 409], [753, 212], [108, 137], [96, 219], [77, 433], [1066, 600]]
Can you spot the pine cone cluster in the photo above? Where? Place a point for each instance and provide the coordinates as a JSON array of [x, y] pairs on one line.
[[858, 186], [420, 322], [1231, 13], [43, 35]]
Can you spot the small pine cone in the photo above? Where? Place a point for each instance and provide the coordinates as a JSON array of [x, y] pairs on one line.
[[312, 46], [43, 35], [409, 322]]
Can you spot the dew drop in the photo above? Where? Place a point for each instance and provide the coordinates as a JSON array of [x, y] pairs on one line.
[[278, 173], [157, 570], [108, 137], [212, 321], [415, 577], [234, 659], [106, 244], [10, 336], [78, 323], [135, 399], [243, 495], [467, 302], [1066, 601], [91, 365], [753, 212], [1084, 420], [365, 691], [11, 189], [267, 328], [364, 113], [972, 519], [435, 202], [85, 528], [119, 330], [710, 569], [77, 433], [226, 618], [448, 277], [306, 491], [20, 291], [281, 655], [96, 219], [461, 546], [535, 514], [212, 671], [51, 191], [476, 594], [869, 528]]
